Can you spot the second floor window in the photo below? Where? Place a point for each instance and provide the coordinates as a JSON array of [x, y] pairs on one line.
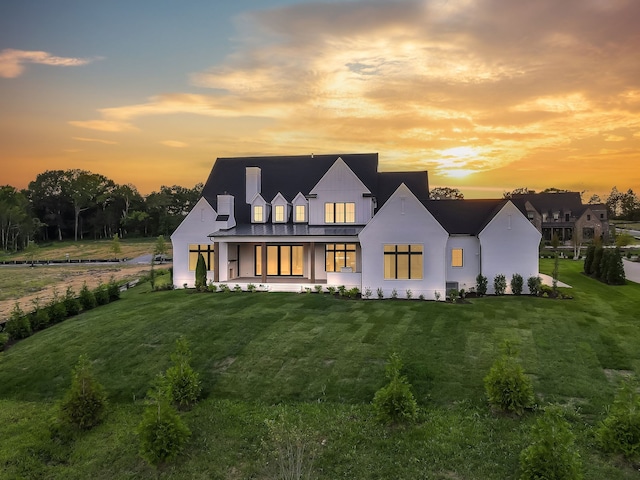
[[258, 213], [278, 213], [340, 212], [301, 214], [456, 257]]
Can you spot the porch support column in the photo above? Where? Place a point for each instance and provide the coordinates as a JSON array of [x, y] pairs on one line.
[[216, 262], [312, 269], [263, 248]]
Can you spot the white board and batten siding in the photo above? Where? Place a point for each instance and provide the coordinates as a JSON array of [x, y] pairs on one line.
[[508, 245], [199, 222], [464, 276], [404, 220], [340, 184]]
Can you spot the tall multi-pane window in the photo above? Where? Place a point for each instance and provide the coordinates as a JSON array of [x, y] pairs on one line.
[[301, 213], [340, 212], [456, 257], [282, 260], [403, 262], [258, 213], [339, 256], [207, 253], [278, 213]]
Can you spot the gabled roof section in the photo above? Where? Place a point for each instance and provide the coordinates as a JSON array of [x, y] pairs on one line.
[[279, 199], [465, 217], [340, 174], [288, 175], [549, 202], [388, 183]]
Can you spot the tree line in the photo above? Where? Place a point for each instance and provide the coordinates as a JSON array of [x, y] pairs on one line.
[[78, 204]]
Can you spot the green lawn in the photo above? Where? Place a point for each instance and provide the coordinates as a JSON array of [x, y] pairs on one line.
[[323, 358]]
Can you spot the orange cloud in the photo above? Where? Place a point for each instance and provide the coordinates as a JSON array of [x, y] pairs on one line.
[[12, 62]]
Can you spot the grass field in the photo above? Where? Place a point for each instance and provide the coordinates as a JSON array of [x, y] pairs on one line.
[[89, 250], [322, 358]]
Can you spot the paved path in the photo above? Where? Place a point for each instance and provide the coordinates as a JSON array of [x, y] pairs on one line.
[[631, 270], [548, 280]]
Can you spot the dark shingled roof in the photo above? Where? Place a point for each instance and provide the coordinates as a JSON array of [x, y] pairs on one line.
[[290, 175], [465, 217], [549, 202]]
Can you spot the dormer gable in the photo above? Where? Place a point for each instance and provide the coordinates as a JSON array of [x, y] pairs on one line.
[[281, 209], [338, 178], [300, 206], [260, 209]]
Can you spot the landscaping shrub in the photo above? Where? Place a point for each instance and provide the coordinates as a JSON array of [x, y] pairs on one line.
[[534, 284], [201, 273], [516, 284], [380, 293], [481, 285], [56, 309], [182, 381], [113, 289], [597, 260], [102, 295], [551, 453], [162, 433], [499, 284], [394, 402], [615, 268], [39, 318], [71, 303], [605, 263], [620, 430], [84, 404], [87, 298], [507, 386], [588, 259], [18, 325]]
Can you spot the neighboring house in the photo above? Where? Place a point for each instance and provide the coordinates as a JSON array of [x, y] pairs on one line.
[[564, 215], [292, 222]]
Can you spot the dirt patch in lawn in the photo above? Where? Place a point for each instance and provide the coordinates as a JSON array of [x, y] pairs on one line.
[[23, 284]]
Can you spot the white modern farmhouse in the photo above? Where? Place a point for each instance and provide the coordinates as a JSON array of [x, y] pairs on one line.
[[287, 223]]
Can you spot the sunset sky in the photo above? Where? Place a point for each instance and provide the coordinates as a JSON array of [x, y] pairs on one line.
[[487, 95]]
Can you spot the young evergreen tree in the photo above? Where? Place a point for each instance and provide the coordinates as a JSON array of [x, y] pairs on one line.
[[551, 453], [201, 273], [507, 386], [84, 404], [71, 303], [87, 298], [615, 271], [605, 264], [162, 432], [588, 259], [597, 260], [18, 325], [116, 248], [481, 284], [395, 402], [182, 381]]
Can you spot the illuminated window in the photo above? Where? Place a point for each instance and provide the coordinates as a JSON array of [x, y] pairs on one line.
[[403, 262], [301, 213], [278, 213], [258, 213], [340, 212], [339, 256], [207, 253], [282, 260], [456, 257]]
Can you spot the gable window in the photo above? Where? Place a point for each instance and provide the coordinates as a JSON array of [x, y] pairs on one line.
[[278, 213], [556, 215], [282, 260], [403, 262], [258, 213], [339, 256], [301, 213], [207, 253], [456, 257], [588, 217], [340, 212], [566, 217], [602, 215]]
